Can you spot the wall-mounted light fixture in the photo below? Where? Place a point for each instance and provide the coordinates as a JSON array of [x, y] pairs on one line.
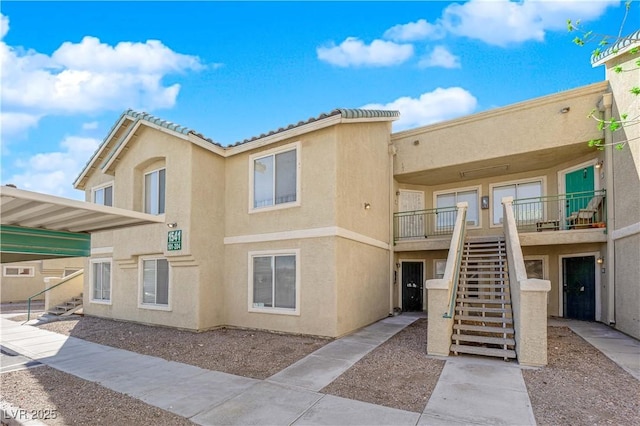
[[600, 260], [416, 142], [367, 206], [398, 265], [565, 110], [599, 164], [172, 225]]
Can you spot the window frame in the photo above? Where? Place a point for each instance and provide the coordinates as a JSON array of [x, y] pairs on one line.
[[144, 191], [272, 153], [92, 283], [477, 188], [153, 306], [31, 269], [103, 187], [492, 186], [273, 253]]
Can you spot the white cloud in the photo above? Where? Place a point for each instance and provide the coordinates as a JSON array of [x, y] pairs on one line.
[[419, 30], [503, 22], [54, 172], [354, 52], [431, 107], [16, 123], [90, 126], [89, 76], [4, 25], [440, 57]]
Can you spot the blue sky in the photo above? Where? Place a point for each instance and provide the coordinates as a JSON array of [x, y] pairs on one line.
[[233, 70]]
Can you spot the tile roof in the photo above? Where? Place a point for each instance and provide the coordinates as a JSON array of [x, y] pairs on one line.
[[622, 43]]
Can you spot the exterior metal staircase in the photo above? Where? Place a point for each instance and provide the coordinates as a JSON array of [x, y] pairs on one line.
[[68, 307], [483, 320]]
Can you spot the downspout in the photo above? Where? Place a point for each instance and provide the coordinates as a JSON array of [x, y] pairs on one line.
[[607, 105], [392, 265]]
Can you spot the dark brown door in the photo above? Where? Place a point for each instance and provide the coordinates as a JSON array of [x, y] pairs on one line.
[[412, 285], [579, 287]]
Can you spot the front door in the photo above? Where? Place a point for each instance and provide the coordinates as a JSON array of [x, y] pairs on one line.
[[580, 181], [412, 285], [579, 278]]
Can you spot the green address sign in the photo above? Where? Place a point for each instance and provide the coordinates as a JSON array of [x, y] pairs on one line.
[[174, 240]]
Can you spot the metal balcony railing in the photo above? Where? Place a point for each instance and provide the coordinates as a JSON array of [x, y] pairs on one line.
[[578, 210], [424, 223]]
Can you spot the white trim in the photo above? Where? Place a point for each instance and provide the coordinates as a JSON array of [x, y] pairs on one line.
[[272, 153], [597, 283], [424, 287], [32, 271], [477, 188], [101, 250], [92, 262], [103, 186], [153, 306], [329, 231], [562, 186], [625, 232], [543, 191], [272, 253]]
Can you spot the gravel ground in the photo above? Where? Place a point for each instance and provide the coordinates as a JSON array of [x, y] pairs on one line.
[[57, 398], [248, 353], [581, 386], [397, 374]]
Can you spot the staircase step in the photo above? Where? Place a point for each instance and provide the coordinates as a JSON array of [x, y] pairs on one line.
[[482, 309], [492, 273], [478, 318], [480, 293], [484, 301], [483, 328], [483, 339], [496, 265], [478, 350], [480, 280], [484, 286]]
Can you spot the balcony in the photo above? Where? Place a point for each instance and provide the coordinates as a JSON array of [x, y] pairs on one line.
[[578, 217]]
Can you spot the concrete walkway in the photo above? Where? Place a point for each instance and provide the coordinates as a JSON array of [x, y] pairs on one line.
[[469, 391]]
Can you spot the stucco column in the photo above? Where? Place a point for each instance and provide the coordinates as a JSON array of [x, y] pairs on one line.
[[607, 104]]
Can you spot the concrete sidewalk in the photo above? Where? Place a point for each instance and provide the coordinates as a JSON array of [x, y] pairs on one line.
[[469, 390]]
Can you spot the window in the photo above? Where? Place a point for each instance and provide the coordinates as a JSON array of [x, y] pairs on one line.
[[155, 282], [273, 282], [526, 212], [440, 265], [535, 267], [101, 280], [275, 179], [103, 195], [450, 199], [154, 192], [19, 271]]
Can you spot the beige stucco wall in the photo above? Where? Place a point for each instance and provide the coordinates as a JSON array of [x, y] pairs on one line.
[[627, 291], [526, 127], [318, 298], [362, 285], [17, 289]]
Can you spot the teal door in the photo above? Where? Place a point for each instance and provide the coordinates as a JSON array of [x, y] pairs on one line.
[[579, 187]]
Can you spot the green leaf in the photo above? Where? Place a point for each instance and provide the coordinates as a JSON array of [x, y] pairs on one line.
[[620, 146], [635, 90], [614, 125], [634, 50], [578, 41], [570, 26], [624, 116], [601, 125], [617, 69]]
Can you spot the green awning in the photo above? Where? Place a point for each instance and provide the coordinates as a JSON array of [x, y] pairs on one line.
[[20, 243]]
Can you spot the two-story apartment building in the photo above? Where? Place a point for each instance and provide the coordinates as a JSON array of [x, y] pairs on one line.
[[327, 225]]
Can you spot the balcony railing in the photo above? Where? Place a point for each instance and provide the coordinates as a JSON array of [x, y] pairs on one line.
[[578, 210], [424, 223]]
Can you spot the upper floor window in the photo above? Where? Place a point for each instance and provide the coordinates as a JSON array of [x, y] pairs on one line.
[[18, 271], [518, 190], [450, 199], [154, 191], [103, 195], [275, 178]]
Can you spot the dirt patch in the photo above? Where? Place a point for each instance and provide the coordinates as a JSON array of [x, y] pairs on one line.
[[57, 398], [580, 385], [248, 353], [397, 374]]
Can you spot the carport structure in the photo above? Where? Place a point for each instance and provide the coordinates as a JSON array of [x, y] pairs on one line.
[[36, 226]]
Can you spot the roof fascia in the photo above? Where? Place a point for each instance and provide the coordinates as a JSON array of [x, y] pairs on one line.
[[90, 164], [600, 87], [620, 52], [203, 143]]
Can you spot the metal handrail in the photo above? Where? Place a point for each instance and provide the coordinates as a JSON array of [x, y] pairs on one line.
[[456, 276], [424, 223], [65, 279]]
